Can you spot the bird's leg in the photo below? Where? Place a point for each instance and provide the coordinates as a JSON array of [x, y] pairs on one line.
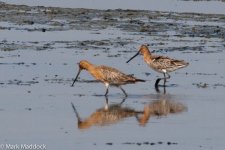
[[124, 92], [164, 90], [157, 84], [123, 100], [168, 75], [159, 79], [107, 89], [164, 79], [106, 103]]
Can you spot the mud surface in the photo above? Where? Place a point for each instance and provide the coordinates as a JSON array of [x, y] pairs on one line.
[[39, 51]]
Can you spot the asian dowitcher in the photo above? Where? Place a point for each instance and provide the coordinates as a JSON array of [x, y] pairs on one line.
[[161, 64], [108, 75]]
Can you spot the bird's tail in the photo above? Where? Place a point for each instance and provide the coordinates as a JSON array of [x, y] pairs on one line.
[[140, 80]]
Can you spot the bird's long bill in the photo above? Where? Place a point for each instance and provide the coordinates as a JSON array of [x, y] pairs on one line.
[[132, 57], [76, 77]]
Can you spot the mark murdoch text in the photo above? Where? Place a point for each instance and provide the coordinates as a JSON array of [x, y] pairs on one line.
[[24, 146]]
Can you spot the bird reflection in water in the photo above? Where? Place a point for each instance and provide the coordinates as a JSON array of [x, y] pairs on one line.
[[113, 113], [164, 107], [110, 114]]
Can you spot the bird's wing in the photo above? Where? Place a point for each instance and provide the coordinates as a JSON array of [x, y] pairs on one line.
[[179, 62], [161, 61], [166, 62], [113, 75]]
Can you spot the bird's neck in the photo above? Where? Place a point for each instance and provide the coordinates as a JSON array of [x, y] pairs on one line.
[[89, 67], [147, 56]]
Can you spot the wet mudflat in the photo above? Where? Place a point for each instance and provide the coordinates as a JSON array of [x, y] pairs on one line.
[[39, 51]]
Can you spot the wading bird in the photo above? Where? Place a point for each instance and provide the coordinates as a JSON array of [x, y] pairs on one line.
[[108, 75], [161, 64]]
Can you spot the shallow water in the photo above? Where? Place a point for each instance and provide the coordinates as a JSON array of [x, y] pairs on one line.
[[37, 69]]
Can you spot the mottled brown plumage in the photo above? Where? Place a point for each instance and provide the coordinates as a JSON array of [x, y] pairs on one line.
[[107, 75], [161, 64]]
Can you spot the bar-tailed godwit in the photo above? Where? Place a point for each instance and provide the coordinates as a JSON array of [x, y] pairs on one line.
[[161, 64], [108, 75]]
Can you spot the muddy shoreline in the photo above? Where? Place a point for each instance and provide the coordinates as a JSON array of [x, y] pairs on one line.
[[145, 23], [127, 20]]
